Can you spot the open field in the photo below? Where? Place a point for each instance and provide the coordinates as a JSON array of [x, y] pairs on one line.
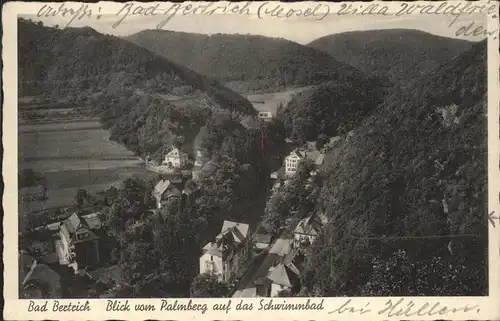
[[66, 146], [71, 156], [270, 101]]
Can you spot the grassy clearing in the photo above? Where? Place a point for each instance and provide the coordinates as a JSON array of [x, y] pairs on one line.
[[72, 156], [270, 101]]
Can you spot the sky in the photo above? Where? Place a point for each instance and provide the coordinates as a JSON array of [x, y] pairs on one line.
[[301, 30]]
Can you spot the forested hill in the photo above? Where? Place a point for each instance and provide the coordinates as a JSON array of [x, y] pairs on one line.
[[399, 54], [417, 167], [247, 63], [136, 92], [73, 60]]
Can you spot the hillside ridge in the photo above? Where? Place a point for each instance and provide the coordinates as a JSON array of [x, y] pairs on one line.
[[247, 63], [135, 92], [399, 54]]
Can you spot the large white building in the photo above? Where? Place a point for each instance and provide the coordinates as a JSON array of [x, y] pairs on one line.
[[292, 162], [176, 158], [223, 257], [296, 156]]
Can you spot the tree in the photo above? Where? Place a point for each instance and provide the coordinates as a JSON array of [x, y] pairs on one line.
[[207, 286], [321, 141], [178, 140], [81, 196]]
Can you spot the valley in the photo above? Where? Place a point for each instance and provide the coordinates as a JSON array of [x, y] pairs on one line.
[[369, 139]]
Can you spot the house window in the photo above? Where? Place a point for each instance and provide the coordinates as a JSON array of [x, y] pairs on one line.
[[211, 257]]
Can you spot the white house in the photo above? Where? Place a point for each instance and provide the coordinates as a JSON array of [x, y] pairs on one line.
[[265, 116], [211, 260], [223, 256], [292, 162], [176, 158]]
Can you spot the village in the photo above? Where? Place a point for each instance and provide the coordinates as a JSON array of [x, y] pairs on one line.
[[250, 260]]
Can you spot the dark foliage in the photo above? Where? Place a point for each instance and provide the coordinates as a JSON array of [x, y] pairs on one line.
[[330, 109], [128, 86], [400, 55], [247, 63], [415, 167]]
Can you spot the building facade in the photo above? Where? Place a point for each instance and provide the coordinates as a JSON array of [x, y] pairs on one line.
[[230, 248], [176, 158], [292, 162], [77, 244], [266, 116]]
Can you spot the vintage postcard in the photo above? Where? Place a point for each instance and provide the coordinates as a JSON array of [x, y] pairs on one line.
[[243, 160]]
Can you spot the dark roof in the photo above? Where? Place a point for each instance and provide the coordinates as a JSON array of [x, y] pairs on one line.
[[213, 249], [294, 261], [280, 275], [239, 231], [72, 223], [89, 236], [298, 153]]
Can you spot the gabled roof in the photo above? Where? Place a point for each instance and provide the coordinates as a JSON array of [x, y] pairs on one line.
[[281, 247], [294, 261], [175, 152], [213, 248], [74, 224], [160, 188], [297, 153], [310, 225], [288, 270], [238, 231], [280, 275]]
